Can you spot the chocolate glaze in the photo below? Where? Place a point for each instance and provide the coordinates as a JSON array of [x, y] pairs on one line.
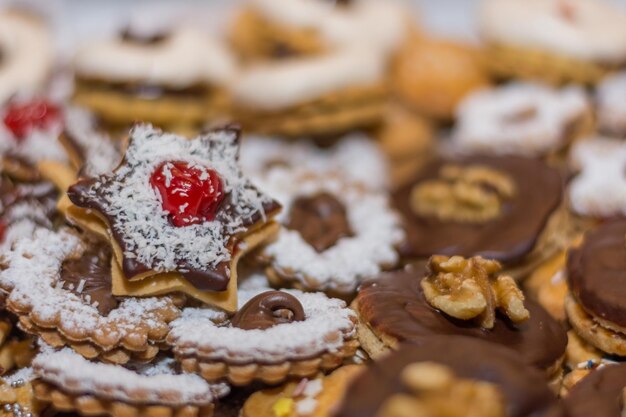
[[598, 394], [507, 238], [320, 219], [394, 305], [143, 39], [596, 272], [524, 389], [93, 267], [264, 311], [145, 90]]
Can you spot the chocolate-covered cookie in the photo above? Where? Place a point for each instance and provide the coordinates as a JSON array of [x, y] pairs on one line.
[[393, 308], [523, 390], [599, 394], [495, 207]]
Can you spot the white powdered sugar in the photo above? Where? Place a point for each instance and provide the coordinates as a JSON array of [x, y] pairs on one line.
[[32, 278], [355, 157], [135, 208], [518, 118], [156, 383], [100, 154], [611, 105], [376, 231], [328, 323], [599, 190]]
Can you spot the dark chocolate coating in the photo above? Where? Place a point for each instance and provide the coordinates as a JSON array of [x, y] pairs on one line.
[[320, 219], [507, 238], [524, 389], [262, 311], [94, 267], [598, 394], [394, 305], [596, 272]]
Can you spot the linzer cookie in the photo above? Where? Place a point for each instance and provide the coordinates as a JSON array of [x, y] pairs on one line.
[[173, 78], [24, 207], [596, 271], [504, 208], [345, 72], [71, 383], [28, 135], [274, 335], [450, 376], [355, 158], [314, 397], [522, 119], [457, 296], [27, 53], [334, 234], [573, 41], [178, 213], [60, 288]]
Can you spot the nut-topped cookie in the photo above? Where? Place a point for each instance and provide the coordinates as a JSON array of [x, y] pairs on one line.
[[449, 376], [179, 214], [502, 208], [457, 296]]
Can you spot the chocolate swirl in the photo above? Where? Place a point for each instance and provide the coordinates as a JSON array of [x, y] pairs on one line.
[[596, 272], [267, 310], [320, 219], [524, 389], [507, 238], [394, 305]]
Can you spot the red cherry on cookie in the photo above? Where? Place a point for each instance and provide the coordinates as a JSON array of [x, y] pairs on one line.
[[22, 118], [190, 193], [3, 231]]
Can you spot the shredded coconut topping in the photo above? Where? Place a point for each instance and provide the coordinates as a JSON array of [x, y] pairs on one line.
[[356, 158], [519, 118], [328, 322], [376, 233], [600, 188], [135, 207], [611, 109], [38, 145], [156, 383], [32, 277], [100, 154]]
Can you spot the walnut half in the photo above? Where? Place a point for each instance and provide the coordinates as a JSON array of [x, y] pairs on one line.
[[470, 289], [435, 391], [470, 194]]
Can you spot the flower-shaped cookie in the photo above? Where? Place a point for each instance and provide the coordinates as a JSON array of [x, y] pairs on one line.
[[179, 214], [60, 287], [335, 233], [275, 334], [599, 190]]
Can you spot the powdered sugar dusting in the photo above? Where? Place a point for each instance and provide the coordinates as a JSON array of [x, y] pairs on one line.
[[100, 154], [375, 226], [328, 323], [136, 211], [32, 280], [153, 383], [356, 158], [518, 118], [600, 188], [611, 109]]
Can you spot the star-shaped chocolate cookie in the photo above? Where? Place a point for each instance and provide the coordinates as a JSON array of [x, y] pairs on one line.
[[179, 214]]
